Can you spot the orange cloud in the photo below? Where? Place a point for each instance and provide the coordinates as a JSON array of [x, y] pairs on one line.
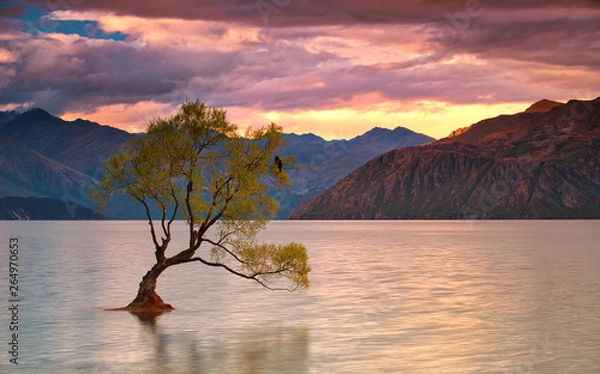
[[335, 69], [174, 33], [131, 118]]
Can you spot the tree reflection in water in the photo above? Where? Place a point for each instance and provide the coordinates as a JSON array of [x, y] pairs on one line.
[[259, 349]]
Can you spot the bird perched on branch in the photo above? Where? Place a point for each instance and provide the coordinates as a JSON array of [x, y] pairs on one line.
[[278, 163]]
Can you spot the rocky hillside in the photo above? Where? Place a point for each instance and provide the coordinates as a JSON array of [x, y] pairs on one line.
[[542, 163], [322, 163], [81, 145], [27, 173], [44, 156]]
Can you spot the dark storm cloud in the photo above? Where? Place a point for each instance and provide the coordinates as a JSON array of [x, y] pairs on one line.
[[456, 25], [67, 75], [104, 72], [566, 42], [307, 12]]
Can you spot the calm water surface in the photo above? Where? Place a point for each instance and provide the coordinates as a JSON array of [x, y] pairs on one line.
[[386, 297]]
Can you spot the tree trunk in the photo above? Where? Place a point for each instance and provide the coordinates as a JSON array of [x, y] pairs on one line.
[[147, 300]]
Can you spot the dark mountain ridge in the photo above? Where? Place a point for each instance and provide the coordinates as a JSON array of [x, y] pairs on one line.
[[535, 164], [323, 163], [45, 156], [27, 173], [81, 145], [543, 106]]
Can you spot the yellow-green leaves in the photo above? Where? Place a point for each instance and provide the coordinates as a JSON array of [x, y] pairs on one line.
[[197, 166], [270, 264]]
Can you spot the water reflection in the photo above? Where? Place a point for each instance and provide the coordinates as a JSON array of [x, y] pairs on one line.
[[156, 339], [268, 349], [387, 297], [148, 318]]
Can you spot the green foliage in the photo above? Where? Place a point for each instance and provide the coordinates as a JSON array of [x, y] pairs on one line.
[[197, 166], [270, 262]]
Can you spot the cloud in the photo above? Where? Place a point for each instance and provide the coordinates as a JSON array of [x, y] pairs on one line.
[[65, 72], [289, 13], [564, 37], [351, 58], [131, 117]]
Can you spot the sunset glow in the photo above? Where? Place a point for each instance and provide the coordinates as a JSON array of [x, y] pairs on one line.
[[335, 69]]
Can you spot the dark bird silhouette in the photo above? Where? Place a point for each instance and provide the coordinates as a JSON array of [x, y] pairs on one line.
[[278, 163]]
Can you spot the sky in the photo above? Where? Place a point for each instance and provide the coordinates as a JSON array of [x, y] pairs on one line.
[[336, 68]]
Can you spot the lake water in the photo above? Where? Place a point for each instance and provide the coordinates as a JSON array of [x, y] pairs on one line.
[[386, 297]]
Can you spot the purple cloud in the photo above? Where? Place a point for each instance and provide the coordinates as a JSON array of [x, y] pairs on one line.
[[307, 56]]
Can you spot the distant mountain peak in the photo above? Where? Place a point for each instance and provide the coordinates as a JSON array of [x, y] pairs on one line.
[[39, 115], [502, 125], [308, 135], [543, 106], [373, 133], [378, 130], [37, 111], [511, 166]]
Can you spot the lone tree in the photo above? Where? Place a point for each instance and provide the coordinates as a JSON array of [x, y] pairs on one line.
[[198, 167]]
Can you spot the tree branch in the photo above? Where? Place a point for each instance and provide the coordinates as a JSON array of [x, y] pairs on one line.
[[220, 245], [162, 221], [254, 277], [208, 221], [188, 205], [160, 250], [174, 211], [149, 216]]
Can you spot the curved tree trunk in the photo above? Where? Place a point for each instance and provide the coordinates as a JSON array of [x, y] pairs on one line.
[[147, 300]]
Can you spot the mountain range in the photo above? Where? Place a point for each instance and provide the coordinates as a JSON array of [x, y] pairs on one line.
[[541, 163], [323, 163], [43, 156]]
